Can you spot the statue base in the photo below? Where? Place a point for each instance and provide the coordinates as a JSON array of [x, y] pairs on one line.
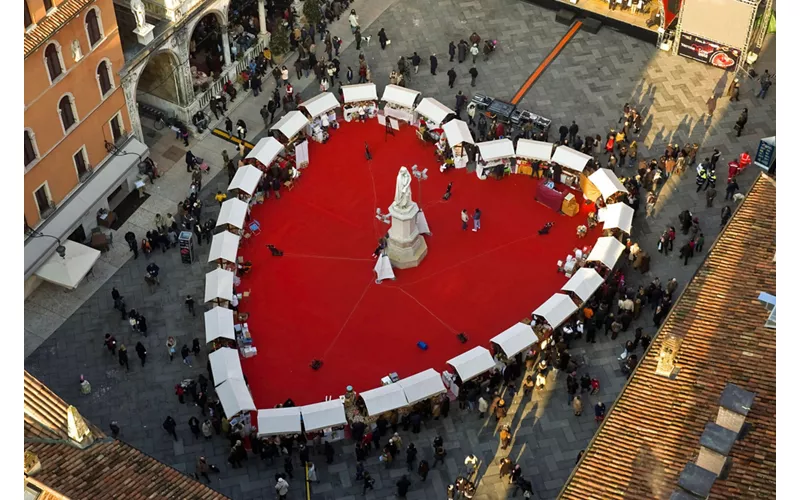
[[406, 247], [144, 34]]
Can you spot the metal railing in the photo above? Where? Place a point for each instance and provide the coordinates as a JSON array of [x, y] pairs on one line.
[[239, 66]]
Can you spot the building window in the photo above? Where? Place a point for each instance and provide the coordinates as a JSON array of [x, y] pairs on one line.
[[116, 128], [48, 4], [81, 164], [93, 27], [104, 78], [53, 60], [65, 109], [30, 148], [43, 202], [28, 20]]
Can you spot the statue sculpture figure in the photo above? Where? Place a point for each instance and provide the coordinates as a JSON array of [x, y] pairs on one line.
[[137, 7], [402, 192], [76, 51]]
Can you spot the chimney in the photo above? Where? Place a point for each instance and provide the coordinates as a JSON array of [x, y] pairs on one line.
[[715, 444], [32, 463], [77, 430], [666, 357], [696, 480], [734, 405]]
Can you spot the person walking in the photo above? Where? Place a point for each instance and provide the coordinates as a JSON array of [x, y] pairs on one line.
[[451, 49], [111, 344], [357, 35], [740, 123], [402, 486], [194, 426], [123, 357], [461, 100], [207, 429], [473, 73], [711, 104], [169, 426], [130, 237], [171, 347], [415, 61], [476, 218], [732, 187], [438, 455], [369, 483], [451, 77], [474, 50], [766, 83], [201, 469], [141, 352], [281, 488], [114, 426], [383, 38], [185, 354], [577, 406], [228, 129], [726, 214], [464, 219], [411, 456], [190, 304], [288, 468], [434, 64]]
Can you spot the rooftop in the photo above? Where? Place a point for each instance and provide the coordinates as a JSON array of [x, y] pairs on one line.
[[48, 26]]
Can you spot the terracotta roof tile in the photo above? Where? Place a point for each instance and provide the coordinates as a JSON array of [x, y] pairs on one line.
[[49, 25], [45, 412], [654, 428]]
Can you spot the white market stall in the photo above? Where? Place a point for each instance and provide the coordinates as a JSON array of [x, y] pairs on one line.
[[69, 271], [360, 97], [219, 286], [225, 364], [607, 183], [583, 283], [290, 126], [235, 397], [266, 151], [556, 309], [433, 112], [399, 102], [219, 324], [422, 385], [323, 415], [457, 133], [606, 250], [572, 164], [472, 363], [278, 421], [529, 151], [616, 216], [224, 247], [385, 398], [515, 339], [245, 181], [321, 113], [232, 214], [497, 153]]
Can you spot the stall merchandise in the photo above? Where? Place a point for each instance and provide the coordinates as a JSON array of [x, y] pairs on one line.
[[515, 339], [246, 180], [457, 133], [321, 111], [493, 155], [549, 196], [556, 309], [606, 251], [232, 213], [583, 283], [266, 151], [235, 397], [219, 286], [385, 398], [290, 126], [616, 216], [219, 324], [572, 165], [422, 385], [433, 112], [362, 95], [399, 102], [472, 363], [607, 184], [224, 247], [323, 415], [279, 421], [225, 364], [528, 152]]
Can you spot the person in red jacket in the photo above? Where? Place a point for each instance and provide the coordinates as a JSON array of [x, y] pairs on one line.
[[744, 160]]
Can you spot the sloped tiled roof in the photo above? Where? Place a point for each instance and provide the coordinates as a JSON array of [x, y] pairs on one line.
[[654, 428], [53, 22]]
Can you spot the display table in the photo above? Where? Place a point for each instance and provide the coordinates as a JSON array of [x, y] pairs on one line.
[[549, 197], [569, 206], [401, 114], [351, 110]]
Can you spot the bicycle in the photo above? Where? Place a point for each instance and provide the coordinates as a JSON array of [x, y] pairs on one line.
[[159, 122]]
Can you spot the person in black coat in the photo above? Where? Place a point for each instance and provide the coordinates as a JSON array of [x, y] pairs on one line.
[[411, 456], [451, 77], [563, 131], [451, 49], [573, 132], [383, 38], [141, 352], [402, 486], [123, 357], [434, 63]]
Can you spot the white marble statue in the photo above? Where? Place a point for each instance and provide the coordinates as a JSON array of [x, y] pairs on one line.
[[77, 54], [137, 7], [402, 191]]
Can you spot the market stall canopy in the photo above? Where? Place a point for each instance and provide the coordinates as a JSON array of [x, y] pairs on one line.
[[320, 104], [246, 179], [607, 182], [583, 283], [279, 421], [219, 285], [606, 251], [224, 246], [360, 92], [457, 132], [219, 324], [385, 398], [291, 123], [516, 339], [571, 159], [322, 415], [434, 110], [71, 269], [496, 150], [422, 385], [618, 216], [400, 96], [232, 212], [225, 364], [556, 309], [235, 397], [266, 150], [534, 150], [472, 363]]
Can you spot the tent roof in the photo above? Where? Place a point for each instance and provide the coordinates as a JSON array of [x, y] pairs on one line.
[[515, 339], [360, 92], [279, 421], [571, 159], [618, 215], [246, 179], [266, 150], [583, 283], [219, 324], [69, 271], [607, 183], [291, 123], [219, 285], [607, 250], [534, 150], [232, 212], [384, 398], [556, 309], [497, 149], [325, 414], [224, 246], [401, 96], [472, 363], [319, 104], [434, 110], [225, 364], [457, 132], [422, 385], [235, 397]]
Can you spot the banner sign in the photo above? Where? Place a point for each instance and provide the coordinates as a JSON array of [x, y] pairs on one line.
[[708, 52], [765, 154]]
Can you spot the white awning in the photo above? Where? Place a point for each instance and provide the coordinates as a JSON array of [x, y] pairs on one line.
[[219, 285], [556, 309], [291, 123], [607, 183], [534, 150], [233, 212], [606, 250], [583, 283], [246, 179], [320, 104], [225, 364], [472, 363], [571, 159], [385, 398], [516, 339], [71, 269], [224, 246], [321, 415], [266, 150], [219, 324], [279, 421], [433, 110], [235, 397], [360, 92], [457, 132], [400, 96], [496, 150], [422, 385], [618, 216]]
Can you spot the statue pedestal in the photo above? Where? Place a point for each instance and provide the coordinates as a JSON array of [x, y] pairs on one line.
[[406, 247], [144, 34]]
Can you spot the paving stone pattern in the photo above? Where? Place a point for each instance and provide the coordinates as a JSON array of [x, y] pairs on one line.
[[588, 82]]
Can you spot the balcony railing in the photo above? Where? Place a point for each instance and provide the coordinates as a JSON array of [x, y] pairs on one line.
[[239, 65]]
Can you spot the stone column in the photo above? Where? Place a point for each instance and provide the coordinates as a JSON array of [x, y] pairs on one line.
[[262, 18], [129, 89], [226, 47]]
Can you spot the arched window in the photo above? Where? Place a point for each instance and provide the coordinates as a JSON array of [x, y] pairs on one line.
[[93, 27], [104, 78], [66, 112], [30, 148], [53, 60]]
